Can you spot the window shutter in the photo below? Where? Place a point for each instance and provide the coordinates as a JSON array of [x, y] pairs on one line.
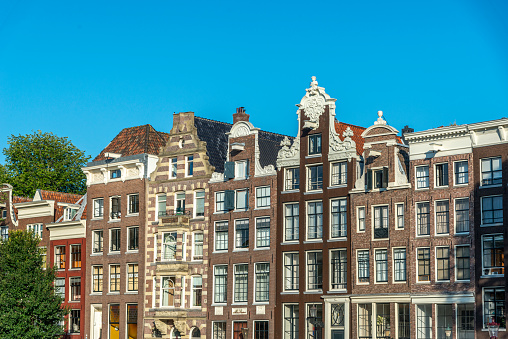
[[445, 174], [229, 200], [369, 179], [229, 170], [246, 168], [385, 177]]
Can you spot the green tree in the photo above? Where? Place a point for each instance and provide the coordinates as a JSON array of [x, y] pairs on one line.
[[29, 307], [45, 161]]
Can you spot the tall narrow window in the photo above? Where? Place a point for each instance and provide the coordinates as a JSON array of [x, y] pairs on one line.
[[494, 306], [219, 330], [114, 320], [444, 319], [461, 173], [492, 173], [132, 321], [314, 144], [133, 238], [114, 240], [169, 245], [462, 262], [399, 262], [443, 263], [339, 218], [262, 197], [313, 330], [314, 270], [168, 291], [465, 321], [292, 180], [75, 256], [242, 233], [97, 276], [462, 215], [262, 282], [404, 322], [315, 220], [315, 177], [200, 204], [161, 205], [98, 241], [242, 199], [241, 169], [381, 265], [115, 207], [74, 318], [241, 282], [492, 210], [423, 264], [383, 328], [493, 254], [363, 266], [132, 277], [180, 203], [221, 236], [133, 203], [291, 272], [114, 278], [4, 232], [291, 225], [220, 284], [364, 321], [339, 269], [197, 246], [291, 320], [361, 219], [423, 218], [400, 215], [98, 208], [220, 198], [190, 166], [197, 290], [60, 257], [75, 288], [339, 173], [442, 217], [174, 168], [44, 254], [442, 175], [261, 329], [424, 321], [263, 232], [380, 222], [60, 287], [422, 177]]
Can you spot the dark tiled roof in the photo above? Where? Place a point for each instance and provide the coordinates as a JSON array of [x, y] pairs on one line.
[[340, 127], [214, 134], [135, 140]]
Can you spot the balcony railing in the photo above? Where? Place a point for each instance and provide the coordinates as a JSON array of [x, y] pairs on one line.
[[175, 212]]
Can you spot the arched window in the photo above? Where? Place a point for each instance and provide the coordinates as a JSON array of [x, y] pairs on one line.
[[196, 333]]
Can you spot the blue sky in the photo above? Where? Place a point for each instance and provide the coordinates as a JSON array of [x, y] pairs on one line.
[[86, 70]]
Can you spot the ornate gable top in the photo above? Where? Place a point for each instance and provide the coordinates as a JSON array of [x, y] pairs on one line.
[[314, 102]]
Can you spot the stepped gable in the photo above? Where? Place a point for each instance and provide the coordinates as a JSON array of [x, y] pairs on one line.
[[135, 140], [214, 134], [340, 127]]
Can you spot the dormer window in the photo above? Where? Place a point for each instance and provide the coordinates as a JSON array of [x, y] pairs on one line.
[[115, 174], [69, 213], [314, 144]]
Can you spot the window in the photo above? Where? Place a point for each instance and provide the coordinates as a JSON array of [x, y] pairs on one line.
[[36, 229], [461, 173], [60, 257], [241, 285], [263, 232], [444, 319], [380, 222], [132, 321], [75, 288], [399, 262], [197, 246], [339, 173], [262, 282], [114, 278], [314, 270], [242, 199], [465, 321], [114, 320], [261, 329], [363, 266], [75, 256], [338, 263], [219, 330], [292, 180], [115, 208], [132, 277], [291, 319], [4, 213], [291, 227], [337, 314], [462, 263], [220, 198], [339, 218], [197, 290], [98, 241], [180, 203], [364, 321], [380, 177], [404, 322], [115, 174], [161, 205], [314, 331], [314, 144], [315, 178], [383, 321], [173, 168], [424, 321], [69, 213], [441, 175], [462, 215], [241, 169], [422, 177], [492, 210], [221, 236], [189, 165], [195, 333], [44, 253], [399, 208], [442, 217], [199, 204], [423, 264], [315, 220], [74, 321], [97, 272], [381, 265], [361, 219], [262, 197], [237, 329], [492, 171], [133, 238], [423, 218], [169, 245], [114, 240], [494, 306], [291, 272], [443, 263], [4, 232], [242, 233], [133, 203], [60, 287], [220, 284], [493, 254], [168, 291]]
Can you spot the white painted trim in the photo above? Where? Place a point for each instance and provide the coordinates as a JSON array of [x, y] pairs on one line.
[[464, 298]]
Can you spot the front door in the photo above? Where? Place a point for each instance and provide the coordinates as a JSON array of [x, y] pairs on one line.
[[97, 324]]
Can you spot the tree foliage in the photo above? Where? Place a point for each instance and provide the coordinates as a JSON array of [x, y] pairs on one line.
[[29, 307], [44, 161]]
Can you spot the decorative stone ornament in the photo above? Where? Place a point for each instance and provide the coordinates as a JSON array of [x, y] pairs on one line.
[[289, 156], [380, 120], [313, 104]]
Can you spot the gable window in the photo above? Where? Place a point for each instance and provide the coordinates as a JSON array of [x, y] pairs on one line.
[[98, 241], [173, 168], [132, 277], [133, 238], [189, 164], [241, 169], [422, 177], [462, 215], [339, 218], [262, 197], [361, 219], [199, 204], [492, 173], [114, 278], [75, 256], [441, 175], [492, 210], [197, 246], [242, 233], [339, 173], [197, 291], [98, 208], [169, 245], [314, 144], [423, 218], [180, 203], [291, 271], [493, 254], [291, 225], [315, 220], [114, 240], [363, 266], [462, 262], [338, 269], [262, 282], [423, 258], [242, 199], [133, 201], [315, 177], [399, 262], [115, 207], [381, 178], [97, 273], [461, 172], [381, 265], [292, 180], [161, 205], [443, 263], [168, 291], [380, 222], [442, 217], [314, 270], [36, 229], [263, 232], [220, 284], [221, 236], [399, 209], [115, 174], [494, 306], [60, 257], [69, 213], [75, 288]]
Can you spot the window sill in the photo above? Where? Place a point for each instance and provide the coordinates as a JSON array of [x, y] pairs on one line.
[[131, 292], [240, 209], [240, 303], [313, 292], [290, 191], [492, 225], [462, 281], [423, 282], [338, 291], [336, 186], [114, 253], [132, 252], [261, 303], [297, 242], [312, 156], [337, 239], [461, 185], [96, 254], [490, 276], [422, 189], [132, 215], [95, 294], [363, 283], [313, 241], [490, 186], [442, 235], [113, 293], [74, 301], [313, 192], [262, 249], [220, 251], [399, 282], [114, 220], [461, 234], [97, 218], [241, 250], [441, 187], [422, 236], [75, 269], [290, 292], [219, 304], [198, 218], [262, 208], [443, 281], [380, 239]]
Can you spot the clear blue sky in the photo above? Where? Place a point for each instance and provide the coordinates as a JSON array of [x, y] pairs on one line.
[[87, 69]]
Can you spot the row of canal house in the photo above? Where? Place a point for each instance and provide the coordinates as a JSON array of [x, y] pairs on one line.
[[341, 232]]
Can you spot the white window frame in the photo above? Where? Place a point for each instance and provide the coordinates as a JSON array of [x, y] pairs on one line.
[[129, 197], [159, 200], [455, 172], [502, 287], [215, 250], [481, 171], [101, 208], [187, 162], [293, 241], [194, 245], [455, 263], [294, 290], [161, 291], [308, 177], [68, 213], [111, 208], [339, 200], [140, 277], [317, 239], [269, 197], [284, 305], [176, 199], [307, 289], [372, 221], [109, 279], [192, 301], [374, 250], [36, 228], [482, 275], [435, 218], [256, 233], [215, 287], [358, 208], [238, 249], [435, 175], [436, 267], [397, 225], [241, 164], [331, 269], [113, 170], [393, 265], [286, 170], [416, 320], [129, 238], [416, 219], [256, 283], [195, 205], [430, 265], [416, 177], [340, 183], [94, 234], [455, 215], [223, 202], [358, 282], [163, 249], [111, 239], [237, 191], [171, 164]]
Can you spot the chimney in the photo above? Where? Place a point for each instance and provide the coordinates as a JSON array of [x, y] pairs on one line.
[[406, 130], [240, 115]]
